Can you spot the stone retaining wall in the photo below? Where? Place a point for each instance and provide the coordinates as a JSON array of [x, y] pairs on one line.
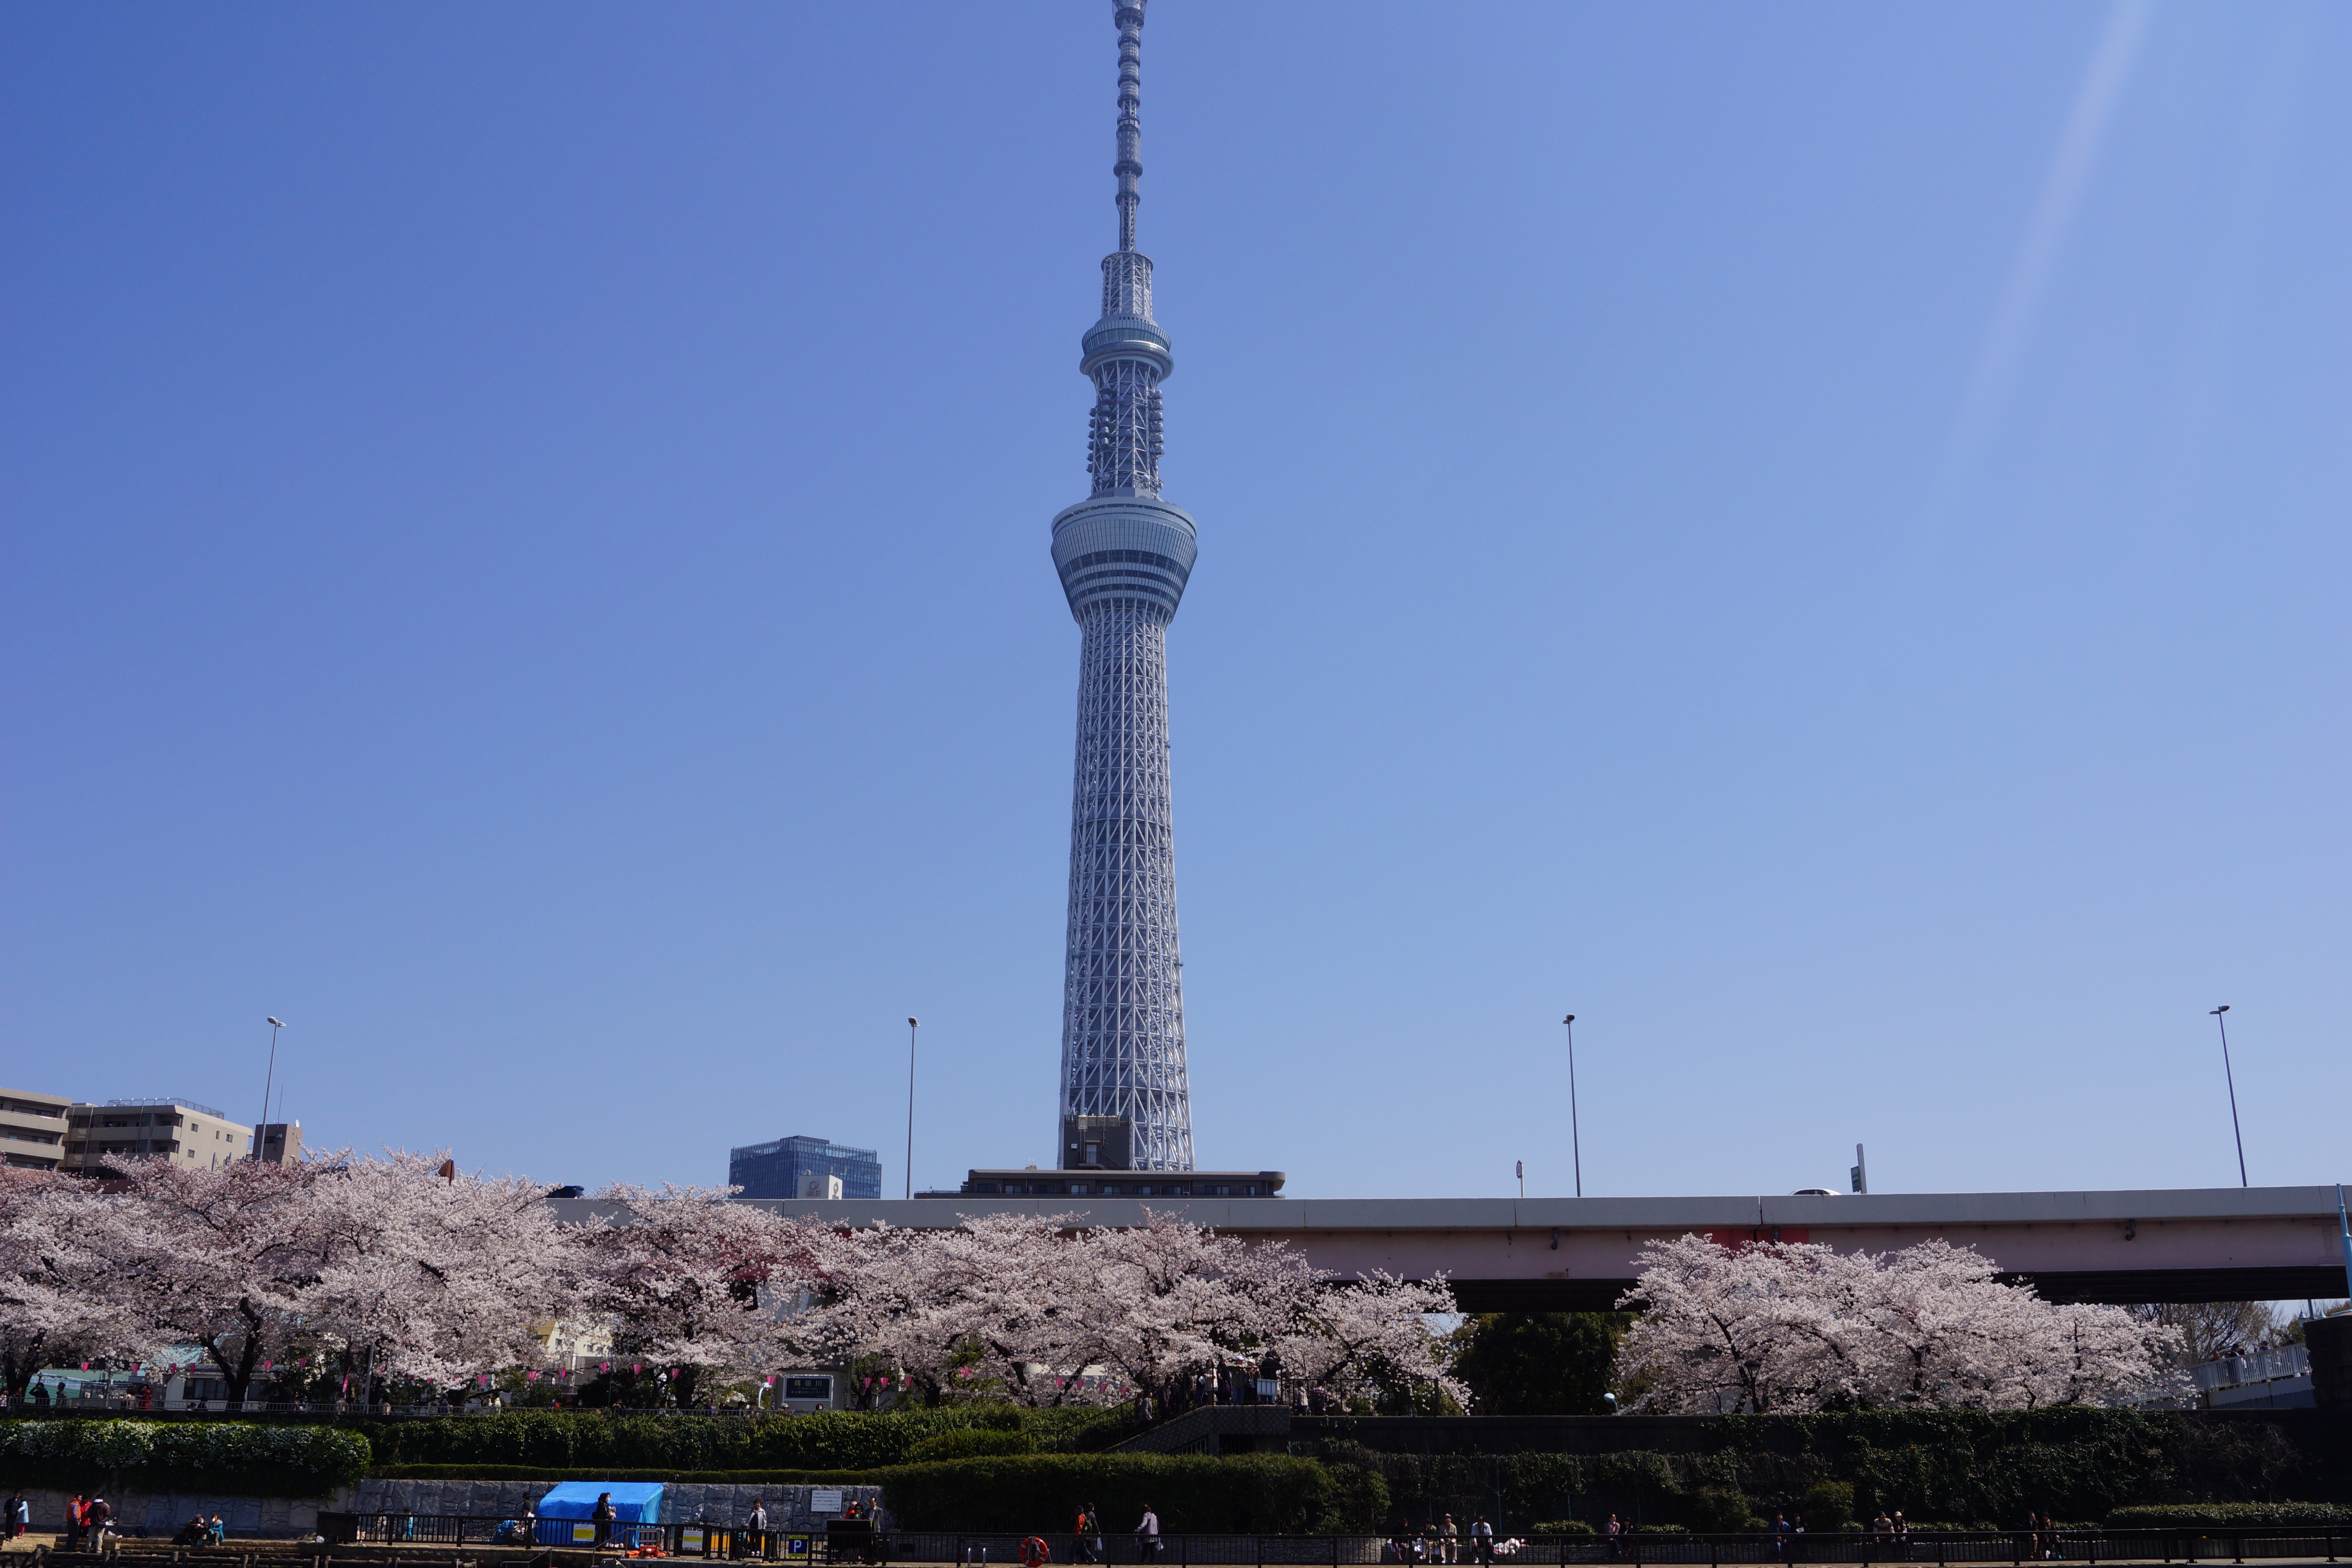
[[788, 1506], [160, 1514]]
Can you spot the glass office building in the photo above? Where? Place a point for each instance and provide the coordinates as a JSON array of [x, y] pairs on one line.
[[775, 1170]]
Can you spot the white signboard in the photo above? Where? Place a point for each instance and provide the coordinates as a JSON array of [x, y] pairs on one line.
[[823, 1501]]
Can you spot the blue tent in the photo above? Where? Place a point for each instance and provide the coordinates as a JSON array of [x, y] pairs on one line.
[[634, 1502]]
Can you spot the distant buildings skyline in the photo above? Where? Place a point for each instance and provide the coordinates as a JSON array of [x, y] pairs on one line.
[[775, 1168]]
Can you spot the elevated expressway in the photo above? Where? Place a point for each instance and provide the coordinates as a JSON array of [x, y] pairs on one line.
[[1575, 1254]]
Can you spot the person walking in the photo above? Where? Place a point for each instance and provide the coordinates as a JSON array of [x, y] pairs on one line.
[[20, 1515], [755, 1528], [604, 1513], [1088, 1549], [1147, 1536]]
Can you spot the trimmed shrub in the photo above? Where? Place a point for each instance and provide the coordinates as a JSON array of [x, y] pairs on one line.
[[243, 1457], [1828, 1506], [695, 1478], [832, 1440], [1559, 1527], [1716, 1510], [2230, 1516], [2074, 1462], [971, 1442]]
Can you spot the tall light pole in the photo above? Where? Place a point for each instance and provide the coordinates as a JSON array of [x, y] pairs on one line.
[[910, 1106], [2233, 1082], [1575, 1141], [2343, 1219], [267, 1078]]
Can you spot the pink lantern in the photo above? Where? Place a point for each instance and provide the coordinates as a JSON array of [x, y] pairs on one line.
[[532, 1376]]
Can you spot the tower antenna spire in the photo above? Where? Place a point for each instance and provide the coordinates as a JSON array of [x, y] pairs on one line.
[[1124, 555], [1130, 167]]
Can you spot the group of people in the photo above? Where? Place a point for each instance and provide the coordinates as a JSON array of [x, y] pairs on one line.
[[2042, 1536], [1442, 1541], [88, 1522], [202, 1531], [1231, 1383], [1088, 1532], [39, 1399]]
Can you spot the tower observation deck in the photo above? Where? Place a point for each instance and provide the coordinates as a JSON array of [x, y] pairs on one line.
[[1124, 555]]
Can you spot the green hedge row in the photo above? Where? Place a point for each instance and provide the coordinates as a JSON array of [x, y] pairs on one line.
[[552, 1473], [2229, 1516], [238, 1457], [835, 1440], [1991, 1468]]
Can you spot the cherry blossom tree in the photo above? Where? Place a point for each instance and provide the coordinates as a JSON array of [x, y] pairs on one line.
[[383, 1264], [218, 1258], [696, 1284], [441, 1277], [1728, 1328], [982, 1303], [61, 1297], [1157, 1302], [1373, 1337], [1031, 1309], [1798, 1326]]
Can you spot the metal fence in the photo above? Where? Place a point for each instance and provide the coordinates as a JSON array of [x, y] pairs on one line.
[[131, 1405], [2085, 1547], [854, 1542]]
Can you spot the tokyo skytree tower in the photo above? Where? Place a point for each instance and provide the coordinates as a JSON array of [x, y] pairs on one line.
[[1124, 555]]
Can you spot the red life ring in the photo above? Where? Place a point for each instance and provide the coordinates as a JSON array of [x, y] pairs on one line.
[[1035, 1552]]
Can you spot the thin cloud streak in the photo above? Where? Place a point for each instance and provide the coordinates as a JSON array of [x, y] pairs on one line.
[[2071, 170]]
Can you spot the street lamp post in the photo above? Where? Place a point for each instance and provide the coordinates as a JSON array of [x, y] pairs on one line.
[[267, 1078], [2228, 1078], [1575, 1141], [910, 1106]]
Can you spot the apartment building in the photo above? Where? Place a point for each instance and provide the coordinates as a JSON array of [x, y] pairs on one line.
[[281, 1142], [180, 1129], [32, 1129]]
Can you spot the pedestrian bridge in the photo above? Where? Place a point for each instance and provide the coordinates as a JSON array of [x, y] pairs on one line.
[[2196, 1244]]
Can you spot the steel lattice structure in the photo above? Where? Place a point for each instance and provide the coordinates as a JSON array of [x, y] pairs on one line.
[[1124, 556]]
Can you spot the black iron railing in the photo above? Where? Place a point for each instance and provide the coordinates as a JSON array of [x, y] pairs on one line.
[[854, 1541]]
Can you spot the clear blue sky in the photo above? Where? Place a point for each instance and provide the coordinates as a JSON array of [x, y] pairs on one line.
[[1812, 536]]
